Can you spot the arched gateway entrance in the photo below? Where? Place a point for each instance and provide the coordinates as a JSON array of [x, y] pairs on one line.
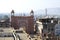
[[23, 24]]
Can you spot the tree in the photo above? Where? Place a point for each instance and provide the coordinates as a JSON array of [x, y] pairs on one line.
[[6, 17]]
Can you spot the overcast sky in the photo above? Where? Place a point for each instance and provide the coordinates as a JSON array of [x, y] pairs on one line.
[[26, 5]]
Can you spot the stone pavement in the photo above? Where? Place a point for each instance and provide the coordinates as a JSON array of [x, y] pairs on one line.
[[36, 37]]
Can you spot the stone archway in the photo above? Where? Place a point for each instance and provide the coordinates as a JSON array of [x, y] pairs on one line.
[[23, 24]]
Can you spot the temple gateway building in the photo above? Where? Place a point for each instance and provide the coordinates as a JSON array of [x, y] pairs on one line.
[[25, 22]]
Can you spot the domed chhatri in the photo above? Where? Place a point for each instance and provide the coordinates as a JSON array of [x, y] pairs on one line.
[[12, 12], [32, 13]]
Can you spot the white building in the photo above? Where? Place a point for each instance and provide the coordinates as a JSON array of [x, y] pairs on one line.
[[40, 26]]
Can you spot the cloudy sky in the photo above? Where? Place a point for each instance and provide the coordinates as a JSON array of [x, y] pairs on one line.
[[27, 5]]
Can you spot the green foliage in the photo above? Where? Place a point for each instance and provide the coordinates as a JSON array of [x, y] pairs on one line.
[[5, 17]]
